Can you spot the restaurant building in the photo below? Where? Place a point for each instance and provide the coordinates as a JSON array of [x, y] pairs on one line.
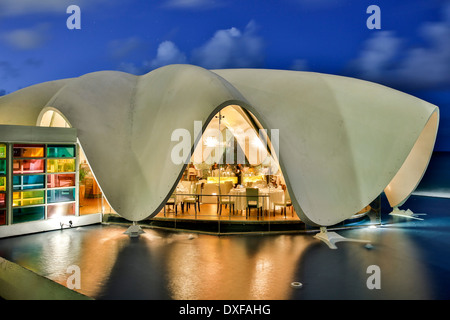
[[233, 150]]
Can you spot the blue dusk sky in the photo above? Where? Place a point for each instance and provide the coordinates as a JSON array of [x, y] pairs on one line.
[[410, 52]]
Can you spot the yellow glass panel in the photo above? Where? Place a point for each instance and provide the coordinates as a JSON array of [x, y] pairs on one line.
[[28, 198], [60, 165], [2, 184]]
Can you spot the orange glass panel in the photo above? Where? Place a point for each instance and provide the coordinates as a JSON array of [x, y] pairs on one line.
[[28, 151]]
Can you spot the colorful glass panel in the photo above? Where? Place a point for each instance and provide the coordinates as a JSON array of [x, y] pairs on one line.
[[60, 180], [61, 151], [60, 165]]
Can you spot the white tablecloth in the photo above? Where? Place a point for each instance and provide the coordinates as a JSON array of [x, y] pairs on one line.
[[269, 196]]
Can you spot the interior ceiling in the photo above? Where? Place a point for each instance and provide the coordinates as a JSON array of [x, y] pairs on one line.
[[237, 121]]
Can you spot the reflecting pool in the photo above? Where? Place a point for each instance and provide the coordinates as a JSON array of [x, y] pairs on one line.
[[188, 266]]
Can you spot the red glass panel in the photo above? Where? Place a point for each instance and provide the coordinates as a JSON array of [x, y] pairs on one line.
[[2, 200], [60, 210], [2, 217], [60, 180], [28, 166]]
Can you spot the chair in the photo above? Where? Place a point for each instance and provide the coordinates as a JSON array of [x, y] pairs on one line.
[[286, 203], [227, 186], [227, 201], [252, 198], [171, 202], [194, 198]]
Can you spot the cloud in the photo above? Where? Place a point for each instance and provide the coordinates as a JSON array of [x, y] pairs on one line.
[[385, 57], [13, 8], [193, 4], [378, 55], [231, 48], [27, 38], [168, 53], [228, 48]]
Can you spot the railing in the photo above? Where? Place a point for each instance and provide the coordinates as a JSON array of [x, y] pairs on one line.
[[220, 200]]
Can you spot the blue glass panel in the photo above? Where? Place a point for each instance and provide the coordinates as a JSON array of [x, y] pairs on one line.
[[60, 195], [28, 182]]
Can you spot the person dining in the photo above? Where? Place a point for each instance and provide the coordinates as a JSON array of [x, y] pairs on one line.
[[238, 174]]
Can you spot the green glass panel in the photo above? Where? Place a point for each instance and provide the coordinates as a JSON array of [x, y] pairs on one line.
[[61, 151], [2, 150], [60, 165], [28, 198], [60, 195], [2, 166], [28, 214]]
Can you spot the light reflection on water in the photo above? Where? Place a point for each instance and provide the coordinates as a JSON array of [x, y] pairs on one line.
[[187, 266]]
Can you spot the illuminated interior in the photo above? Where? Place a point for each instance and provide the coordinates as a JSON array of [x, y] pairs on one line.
[[230, 158]]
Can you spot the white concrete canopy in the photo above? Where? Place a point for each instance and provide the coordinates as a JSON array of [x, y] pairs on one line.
[[342, 141]]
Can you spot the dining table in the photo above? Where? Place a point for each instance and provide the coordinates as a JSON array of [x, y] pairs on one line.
[[267, 196]]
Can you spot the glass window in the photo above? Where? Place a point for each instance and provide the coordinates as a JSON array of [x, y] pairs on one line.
[[28, 198], [28, 182], [60, 165], [28, 166], [60, 195], [2, 183], [28, 214], [61, 151], [60, 210], [2, 150], [60, 180], [28, 151], [2, 201], [2, 217], [2, 166]]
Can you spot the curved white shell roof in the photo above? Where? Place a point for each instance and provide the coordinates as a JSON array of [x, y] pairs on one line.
[[342, 141]]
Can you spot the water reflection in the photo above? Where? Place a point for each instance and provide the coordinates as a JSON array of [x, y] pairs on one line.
[[185, 266]]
